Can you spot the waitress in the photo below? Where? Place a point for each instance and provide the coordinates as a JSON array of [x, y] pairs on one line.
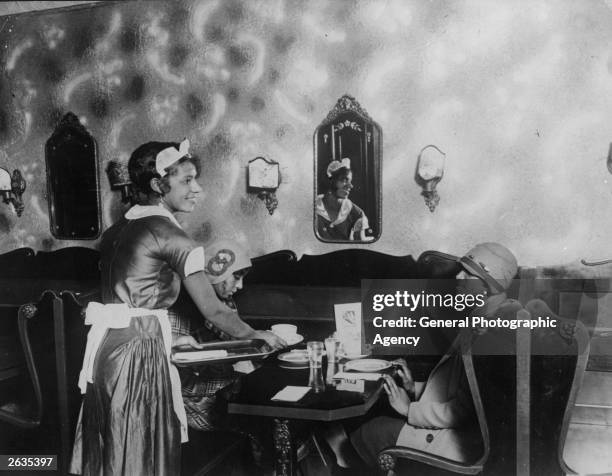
[[133, 418]]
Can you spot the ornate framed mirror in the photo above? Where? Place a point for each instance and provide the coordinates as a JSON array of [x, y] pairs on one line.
[[347, 171], [72, 181]]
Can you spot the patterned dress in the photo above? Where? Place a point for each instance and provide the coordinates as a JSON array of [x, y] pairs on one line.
[[201, 384]]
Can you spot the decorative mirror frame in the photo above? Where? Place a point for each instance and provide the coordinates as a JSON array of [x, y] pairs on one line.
[[372, 135], [71, 129]]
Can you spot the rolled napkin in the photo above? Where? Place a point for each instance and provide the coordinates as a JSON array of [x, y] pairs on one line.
[[201, 355]]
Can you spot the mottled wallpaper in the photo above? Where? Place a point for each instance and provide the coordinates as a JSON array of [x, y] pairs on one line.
[[517, 94]]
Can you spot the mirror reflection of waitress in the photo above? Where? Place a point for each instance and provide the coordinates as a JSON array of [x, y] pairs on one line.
[[338, 218]]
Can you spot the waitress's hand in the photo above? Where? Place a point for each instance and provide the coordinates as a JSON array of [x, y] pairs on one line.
[[186, 341], [398, 397], [271, 339]]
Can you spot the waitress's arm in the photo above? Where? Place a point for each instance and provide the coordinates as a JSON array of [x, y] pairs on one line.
[[203, 294]]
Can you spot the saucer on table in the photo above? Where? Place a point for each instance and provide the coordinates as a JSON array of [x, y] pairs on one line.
[[295, 359], [367, 365]]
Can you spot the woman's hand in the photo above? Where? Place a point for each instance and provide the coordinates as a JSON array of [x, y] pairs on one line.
[[186, 341], [398, 397], [271, 339], [405, 374]]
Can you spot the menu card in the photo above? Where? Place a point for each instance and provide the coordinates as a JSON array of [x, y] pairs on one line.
[[291, 393], [348, 326]]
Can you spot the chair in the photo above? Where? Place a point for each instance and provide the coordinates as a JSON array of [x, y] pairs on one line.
[[35, 407], [387, 458], [559, 358]]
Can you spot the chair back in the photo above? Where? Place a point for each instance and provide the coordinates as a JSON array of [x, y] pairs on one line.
[[495, 375], [467, 338], [53, 337], [558, 361], [36, 322]]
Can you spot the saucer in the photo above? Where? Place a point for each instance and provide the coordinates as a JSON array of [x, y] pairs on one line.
[[295, 359], [293, 339]]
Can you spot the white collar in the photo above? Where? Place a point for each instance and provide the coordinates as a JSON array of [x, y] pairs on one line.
[[142, 211], [345, 209]]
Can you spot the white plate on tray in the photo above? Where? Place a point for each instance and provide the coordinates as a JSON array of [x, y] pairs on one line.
[[367, 365], [196, 355]]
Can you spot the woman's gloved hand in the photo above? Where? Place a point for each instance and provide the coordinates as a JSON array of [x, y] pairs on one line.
[[398, 397], [405, 375]]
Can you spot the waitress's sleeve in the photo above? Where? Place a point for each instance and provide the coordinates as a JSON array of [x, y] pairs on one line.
[[183, 254]]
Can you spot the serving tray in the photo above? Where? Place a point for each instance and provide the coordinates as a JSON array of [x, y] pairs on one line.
[[237, 350]]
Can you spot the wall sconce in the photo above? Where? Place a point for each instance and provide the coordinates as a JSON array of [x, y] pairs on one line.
[[264, 179], [12, 188], [119, 179], [429, 171]]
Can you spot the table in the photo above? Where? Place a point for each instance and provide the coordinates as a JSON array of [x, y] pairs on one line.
[[257, 388]]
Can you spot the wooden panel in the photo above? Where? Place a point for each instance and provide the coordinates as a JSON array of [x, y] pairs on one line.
[[294, 301]]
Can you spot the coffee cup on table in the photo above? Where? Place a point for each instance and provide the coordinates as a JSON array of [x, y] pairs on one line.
[[287, 332]]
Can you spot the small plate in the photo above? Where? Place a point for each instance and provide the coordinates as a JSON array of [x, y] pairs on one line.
[[294, 357], [367, 365], [284, 365]]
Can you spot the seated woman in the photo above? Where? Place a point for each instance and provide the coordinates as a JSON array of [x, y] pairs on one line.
[[438, 416], [226, 265], [337, 217]]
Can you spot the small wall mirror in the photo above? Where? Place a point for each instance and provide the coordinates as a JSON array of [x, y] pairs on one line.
[[348, 164], [72, 181]]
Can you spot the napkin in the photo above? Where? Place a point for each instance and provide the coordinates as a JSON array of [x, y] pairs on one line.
[[291, 393], [373, 376], [201, 355], [244, 367]]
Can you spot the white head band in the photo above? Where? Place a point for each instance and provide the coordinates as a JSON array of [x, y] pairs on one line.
[[169, 156], [337, 165]]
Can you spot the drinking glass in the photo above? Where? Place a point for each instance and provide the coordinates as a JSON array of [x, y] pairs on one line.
[[332, 369], [315, 353], [332, 345], [315, 379]]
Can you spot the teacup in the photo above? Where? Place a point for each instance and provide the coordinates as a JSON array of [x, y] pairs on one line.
[[285, 331]]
